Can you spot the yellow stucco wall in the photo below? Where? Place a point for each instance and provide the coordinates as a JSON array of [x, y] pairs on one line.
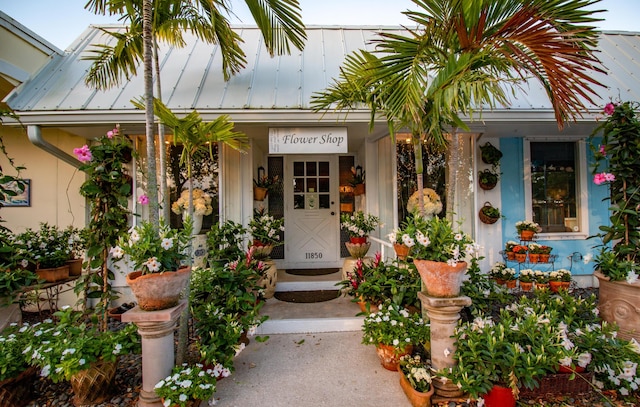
[[55, 185]]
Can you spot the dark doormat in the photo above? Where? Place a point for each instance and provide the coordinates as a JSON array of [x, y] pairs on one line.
[[307, 296], [312, 272]]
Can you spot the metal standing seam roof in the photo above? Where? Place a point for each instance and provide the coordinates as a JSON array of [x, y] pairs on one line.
[[192, 77]]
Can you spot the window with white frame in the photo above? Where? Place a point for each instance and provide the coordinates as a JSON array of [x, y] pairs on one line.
[[555, 193]]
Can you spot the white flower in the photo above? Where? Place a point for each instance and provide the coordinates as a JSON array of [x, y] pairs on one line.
[[135, 236], [117, 252], [587, 258], [396, 342], [632, 277], [447, 352], [153, 264], [408, 240]]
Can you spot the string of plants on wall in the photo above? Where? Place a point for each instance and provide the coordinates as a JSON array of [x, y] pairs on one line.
[[488, 178]]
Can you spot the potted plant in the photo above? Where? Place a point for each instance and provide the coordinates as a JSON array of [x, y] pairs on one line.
[[534, 252], [503, 275], [526, 279], [520, 253], [545, 253], [157, 257], [357, 180], [263, 184], [50, 252], [439, 254], [224, 242], [527, 229], [358, 225], [74, 348], [16, 373], [487, 179], [541, 279], [431, 203], [489, 214], [394, 331], [265, 231], [402, 243], [616, 166], [77, 241], [508, 248], [490, 154], [187, 385], [415, 379], [559, 279], [201, 207], [225, 303]]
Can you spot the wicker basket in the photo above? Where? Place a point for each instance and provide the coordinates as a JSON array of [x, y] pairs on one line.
[[18, 391], [484, 218], [560, 385]]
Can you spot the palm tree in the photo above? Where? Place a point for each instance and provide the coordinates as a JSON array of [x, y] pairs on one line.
[[279, 21], [466, 54]]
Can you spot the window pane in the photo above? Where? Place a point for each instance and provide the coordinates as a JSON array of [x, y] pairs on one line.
[[323, 185], [324, 201], [298, 169], [323, 168], [312, 170], [298, 201], [312, 185], [553, 186], [298, 185]]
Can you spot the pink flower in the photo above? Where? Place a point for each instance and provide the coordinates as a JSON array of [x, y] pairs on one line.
[[603, 150], [83, 153], [113, 132], [603, 177], [143, 200], [609, 108]]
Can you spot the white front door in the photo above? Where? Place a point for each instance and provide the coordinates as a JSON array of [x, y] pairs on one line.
[[312, 212]]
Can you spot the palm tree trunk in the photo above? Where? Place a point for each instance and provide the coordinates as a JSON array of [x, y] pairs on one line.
[[183, 329], [164, 195], [417, 152], [152, 185], [452, 184]]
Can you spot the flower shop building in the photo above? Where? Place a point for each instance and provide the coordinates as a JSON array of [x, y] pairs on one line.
[[320, 157]]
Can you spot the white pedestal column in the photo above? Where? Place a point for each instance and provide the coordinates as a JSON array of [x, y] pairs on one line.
[[158, 354]]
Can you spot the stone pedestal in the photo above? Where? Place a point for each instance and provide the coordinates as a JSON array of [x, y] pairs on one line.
[[443, 314], [349, 265], [158, 354]]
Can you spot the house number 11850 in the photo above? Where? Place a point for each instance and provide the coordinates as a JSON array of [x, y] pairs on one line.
[[313, 255]]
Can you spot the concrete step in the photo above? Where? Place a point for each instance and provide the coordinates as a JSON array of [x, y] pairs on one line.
[[338, 315]]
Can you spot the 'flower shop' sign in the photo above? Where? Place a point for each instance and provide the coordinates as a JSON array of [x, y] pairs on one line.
[[307, 140]]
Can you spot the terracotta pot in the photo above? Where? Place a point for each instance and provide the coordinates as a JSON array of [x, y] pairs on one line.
[[544, 258], [402, 250], [441, 279], [619, 302], [416, 398], [500, 281], [363, 306], [358, 250], [556, 286], [521, 257], [75, 267], [359, 189], [51, 275], [511, 283], [358, 240], [567, 369], [499, 396], [534, 257], [542, 286], [93, 385], [259, 193], [527, 235], [156, 291], [526, 286], [390, 355], [511, 256]]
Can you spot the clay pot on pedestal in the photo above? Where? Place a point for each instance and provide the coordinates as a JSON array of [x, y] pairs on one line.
[[526, 235], [158, 291], [619, 302], [439, 278], [358, 250]]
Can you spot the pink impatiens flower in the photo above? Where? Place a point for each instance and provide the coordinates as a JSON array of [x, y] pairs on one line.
[[143, 200], [112, 133], [603, 177], [83, 153], [603, 150], [609, 109]]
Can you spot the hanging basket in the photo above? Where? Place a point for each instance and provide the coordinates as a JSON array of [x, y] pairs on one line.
[[484, 218], [259, 193], [490, 154]]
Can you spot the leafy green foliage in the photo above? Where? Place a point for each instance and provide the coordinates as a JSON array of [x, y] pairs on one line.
[[224, 241]]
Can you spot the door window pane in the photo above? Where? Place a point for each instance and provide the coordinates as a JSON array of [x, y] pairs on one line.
[[553, 186], [298, 169], [312, 170], [323, 168]]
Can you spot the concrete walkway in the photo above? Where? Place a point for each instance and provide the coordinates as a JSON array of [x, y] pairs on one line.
[[331, 369]]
